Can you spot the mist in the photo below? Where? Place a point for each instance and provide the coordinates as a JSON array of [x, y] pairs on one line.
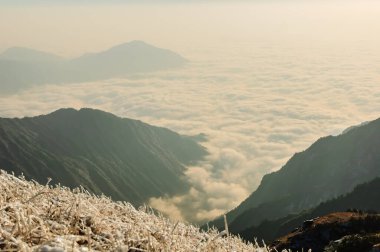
[[265, 80]]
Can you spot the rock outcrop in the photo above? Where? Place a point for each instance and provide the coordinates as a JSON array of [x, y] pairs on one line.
[[341, 231]]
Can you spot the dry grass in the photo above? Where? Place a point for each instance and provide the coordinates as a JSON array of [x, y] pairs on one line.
[[34, 217]]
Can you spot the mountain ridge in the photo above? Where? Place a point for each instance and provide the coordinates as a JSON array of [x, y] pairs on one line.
[[122, 158], [330, 167], [23, 67], [363, 198]]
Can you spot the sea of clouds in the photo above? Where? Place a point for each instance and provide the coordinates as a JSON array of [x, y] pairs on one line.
[[256, 108]]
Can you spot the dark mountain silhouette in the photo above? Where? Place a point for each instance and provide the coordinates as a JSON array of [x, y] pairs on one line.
[[341, 231], [122, 158], [330, 167], [21, 68], [364, 197]]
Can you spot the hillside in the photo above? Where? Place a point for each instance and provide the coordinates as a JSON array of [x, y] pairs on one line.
[[330, 167], [122, 158], [53, 218], [22, 67], [341, 231], [364, 197]]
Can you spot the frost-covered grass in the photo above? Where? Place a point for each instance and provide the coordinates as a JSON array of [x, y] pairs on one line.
[[34, 217]]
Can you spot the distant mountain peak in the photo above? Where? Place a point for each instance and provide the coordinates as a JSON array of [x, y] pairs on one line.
[[136, 43], [128, 46], [132, 57], [139, 46], [28, 54], [24, 67]]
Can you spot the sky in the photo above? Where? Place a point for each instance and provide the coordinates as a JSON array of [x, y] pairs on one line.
[[265, 80], [103, 2]]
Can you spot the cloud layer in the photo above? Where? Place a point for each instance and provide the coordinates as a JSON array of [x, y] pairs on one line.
[[256, 114]]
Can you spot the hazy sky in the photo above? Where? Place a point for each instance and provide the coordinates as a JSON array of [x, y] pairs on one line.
[[265, 79], [106, 2], [71, 30]]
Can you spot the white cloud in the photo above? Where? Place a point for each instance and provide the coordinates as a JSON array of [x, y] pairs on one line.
[[256, 115]]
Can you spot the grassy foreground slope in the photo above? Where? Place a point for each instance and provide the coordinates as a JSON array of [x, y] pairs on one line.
[[34, 217]]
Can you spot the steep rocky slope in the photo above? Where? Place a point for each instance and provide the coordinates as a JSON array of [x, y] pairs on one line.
[[122, 158], [364, 197], [330, 167]]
